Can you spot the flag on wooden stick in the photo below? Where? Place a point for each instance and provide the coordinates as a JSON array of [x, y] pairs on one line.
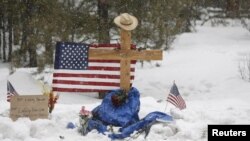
[[95, 76], [175, 98]]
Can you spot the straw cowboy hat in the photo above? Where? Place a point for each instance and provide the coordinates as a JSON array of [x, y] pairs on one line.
[[126, 21]]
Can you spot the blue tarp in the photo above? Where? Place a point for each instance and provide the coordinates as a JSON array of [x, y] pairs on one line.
[[142, 124], [124, 116]]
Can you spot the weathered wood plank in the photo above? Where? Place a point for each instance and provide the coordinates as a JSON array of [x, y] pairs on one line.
[[125, 62], [120, 54], [125, 74], [125, 40]]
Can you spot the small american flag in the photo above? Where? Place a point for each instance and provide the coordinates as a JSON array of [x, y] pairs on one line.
[[99, 76], [10, 91], [175, 98]]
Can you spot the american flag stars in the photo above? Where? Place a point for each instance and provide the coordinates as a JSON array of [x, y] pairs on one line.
[[72, 56]]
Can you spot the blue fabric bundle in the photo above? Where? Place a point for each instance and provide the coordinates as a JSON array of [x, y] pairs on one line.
[[124, 116]]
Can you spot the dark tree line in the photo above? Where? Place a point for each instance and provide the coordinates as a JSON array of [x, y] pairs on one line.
[[29, 29]]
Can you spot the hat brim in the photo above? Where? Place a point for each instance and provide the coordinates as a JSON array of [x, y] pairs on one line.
[[126, 27]]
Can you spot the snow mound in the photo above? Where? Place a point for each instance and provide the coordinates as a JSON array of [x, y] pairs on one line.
[[25, 84]]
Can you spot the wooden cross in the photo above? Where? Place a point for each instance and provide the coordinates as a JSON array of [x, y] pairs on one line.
[[125, 55]]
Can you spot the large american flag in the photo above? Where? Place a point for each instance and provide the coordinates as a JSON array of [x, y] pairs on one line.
[[10, 91], [95, 76], [175, 98]]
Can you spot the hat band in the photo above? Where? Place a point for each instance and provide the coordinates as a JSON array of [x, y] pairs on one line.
[[126, 23]]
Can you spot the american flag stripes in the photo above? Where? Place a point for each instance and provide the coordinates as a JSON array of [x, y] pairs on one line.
[[99, 76], [10, 91], [175, 98]]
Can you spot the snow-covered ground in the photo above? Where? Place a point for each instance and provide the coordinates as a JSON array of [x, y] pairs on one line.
[[204, 65]]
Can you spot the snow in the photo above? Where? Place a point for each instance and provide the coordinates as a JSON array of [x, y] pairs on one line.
[[20, 80], [204, 65]]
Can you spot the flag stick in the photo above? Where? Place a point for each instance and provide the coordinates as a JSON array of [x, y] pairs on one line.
[[166, 107]]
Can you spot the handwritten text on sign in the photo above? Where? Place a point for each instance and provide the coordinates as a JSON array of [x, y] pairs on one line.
[[34, 107]]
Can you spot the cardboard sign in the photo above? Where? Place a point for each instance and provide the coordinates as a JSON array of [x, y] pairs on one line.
[[32, 106]]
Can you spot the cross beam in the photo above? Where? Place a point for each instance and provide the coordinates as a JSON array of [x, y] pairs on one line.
[[125, 55]]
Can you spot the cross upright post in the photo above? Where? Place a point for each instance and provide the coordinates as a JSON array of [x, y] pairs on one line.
[[125, 62]]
